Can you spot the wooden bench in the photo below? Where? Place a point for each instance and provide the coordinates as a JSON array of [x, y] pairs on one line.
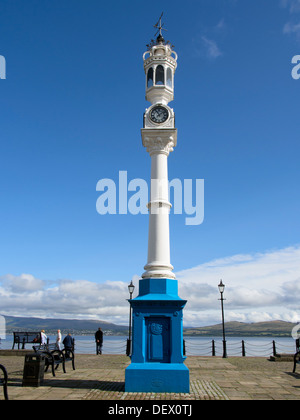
[[55, 357], [25, 338], [297, 355], [3, 381]]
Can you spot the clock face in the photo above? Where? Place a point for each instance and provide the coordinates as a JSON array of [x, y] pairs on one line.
[[159, 114]]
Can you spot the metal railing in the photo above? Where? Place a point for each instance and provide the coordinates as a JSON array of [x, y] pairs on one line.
[[241, 348], [109, 347], [236, 348]]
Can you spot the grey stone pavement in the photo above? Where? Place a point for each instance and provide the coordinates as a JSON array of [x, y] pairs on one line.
[[211, 378]]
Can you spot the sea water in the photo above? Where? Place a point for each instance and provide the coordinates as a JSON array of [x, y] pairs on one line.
[[194, 346]]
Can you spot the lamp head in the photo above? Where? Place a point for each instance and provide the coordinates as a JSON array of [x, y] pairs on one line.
[[131, 287], [221, 287]]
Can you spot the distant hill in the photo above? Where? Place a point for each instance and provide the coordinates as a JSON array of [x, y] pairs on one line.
[[267, 329], [75, 326], [65, 325]]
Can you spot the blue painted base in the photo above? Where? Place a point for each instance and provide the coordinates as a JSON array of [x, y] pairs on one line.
[[157, 360], [157, 377]]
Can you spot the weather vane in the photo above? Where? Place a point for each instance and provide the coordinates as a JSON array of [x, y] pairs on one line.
[[160, 39], [159, 26]]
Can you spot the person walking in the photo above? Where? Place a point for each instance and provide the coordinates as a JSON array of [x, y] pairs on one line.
[[99, 341]]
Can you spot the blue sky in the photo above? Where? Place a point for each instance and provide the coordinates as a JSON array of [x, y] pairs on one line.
[[71, 111]]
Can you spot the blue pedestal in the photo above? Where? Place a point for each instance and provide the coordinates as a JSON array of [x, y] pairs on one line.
[[157, 361], [156, 377]]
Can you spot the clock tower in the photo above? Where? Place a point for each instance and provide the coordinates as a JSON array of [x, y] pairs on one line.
[[159, 136], [157, 360]]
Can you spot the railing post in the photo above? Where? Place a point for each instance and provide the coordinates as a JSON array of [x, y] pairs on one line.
[[128, 347], [224, 349], [213, 348], [243, 349], [274, 348]]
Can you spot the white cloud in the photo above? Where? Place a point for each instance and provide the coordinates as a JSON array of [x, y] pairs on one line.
[[206, 44], [263, 283], [261, 286], [221, 25], [292, 5], [211, 48], [292, 27], [64, 298], [22, 283]]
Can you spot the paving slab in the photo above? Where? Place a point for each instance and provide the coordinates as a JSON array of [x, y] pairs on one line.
[[211, 378]]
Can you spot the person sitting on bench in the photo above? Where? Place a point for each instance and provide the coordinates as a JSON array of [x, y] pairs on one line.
[[68, 342]]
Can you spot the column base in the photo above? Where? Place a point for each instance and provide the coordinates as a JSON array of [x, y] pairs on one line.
[[157, 270], [157, 377]]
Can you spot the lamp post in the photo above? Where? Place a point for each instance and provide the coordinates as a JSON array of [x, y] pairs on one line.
[[221, 287], [130, 290]]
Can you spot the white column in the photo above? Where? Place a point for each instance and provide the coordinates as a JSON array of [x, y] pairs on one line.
[[159, 145]]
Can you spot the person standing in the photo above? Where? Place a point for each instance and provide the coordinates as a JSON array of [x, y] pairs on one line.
[[43, 337], [58, 340], [99, 341]]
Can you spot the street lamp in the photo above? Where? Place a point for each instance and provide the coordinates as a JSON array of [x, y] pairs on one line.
[[130, 290], [221, 287]]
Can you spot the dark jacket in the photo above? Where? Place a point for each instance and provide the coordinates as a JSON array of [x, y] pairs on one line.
[[99, 336], [68, 342]]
